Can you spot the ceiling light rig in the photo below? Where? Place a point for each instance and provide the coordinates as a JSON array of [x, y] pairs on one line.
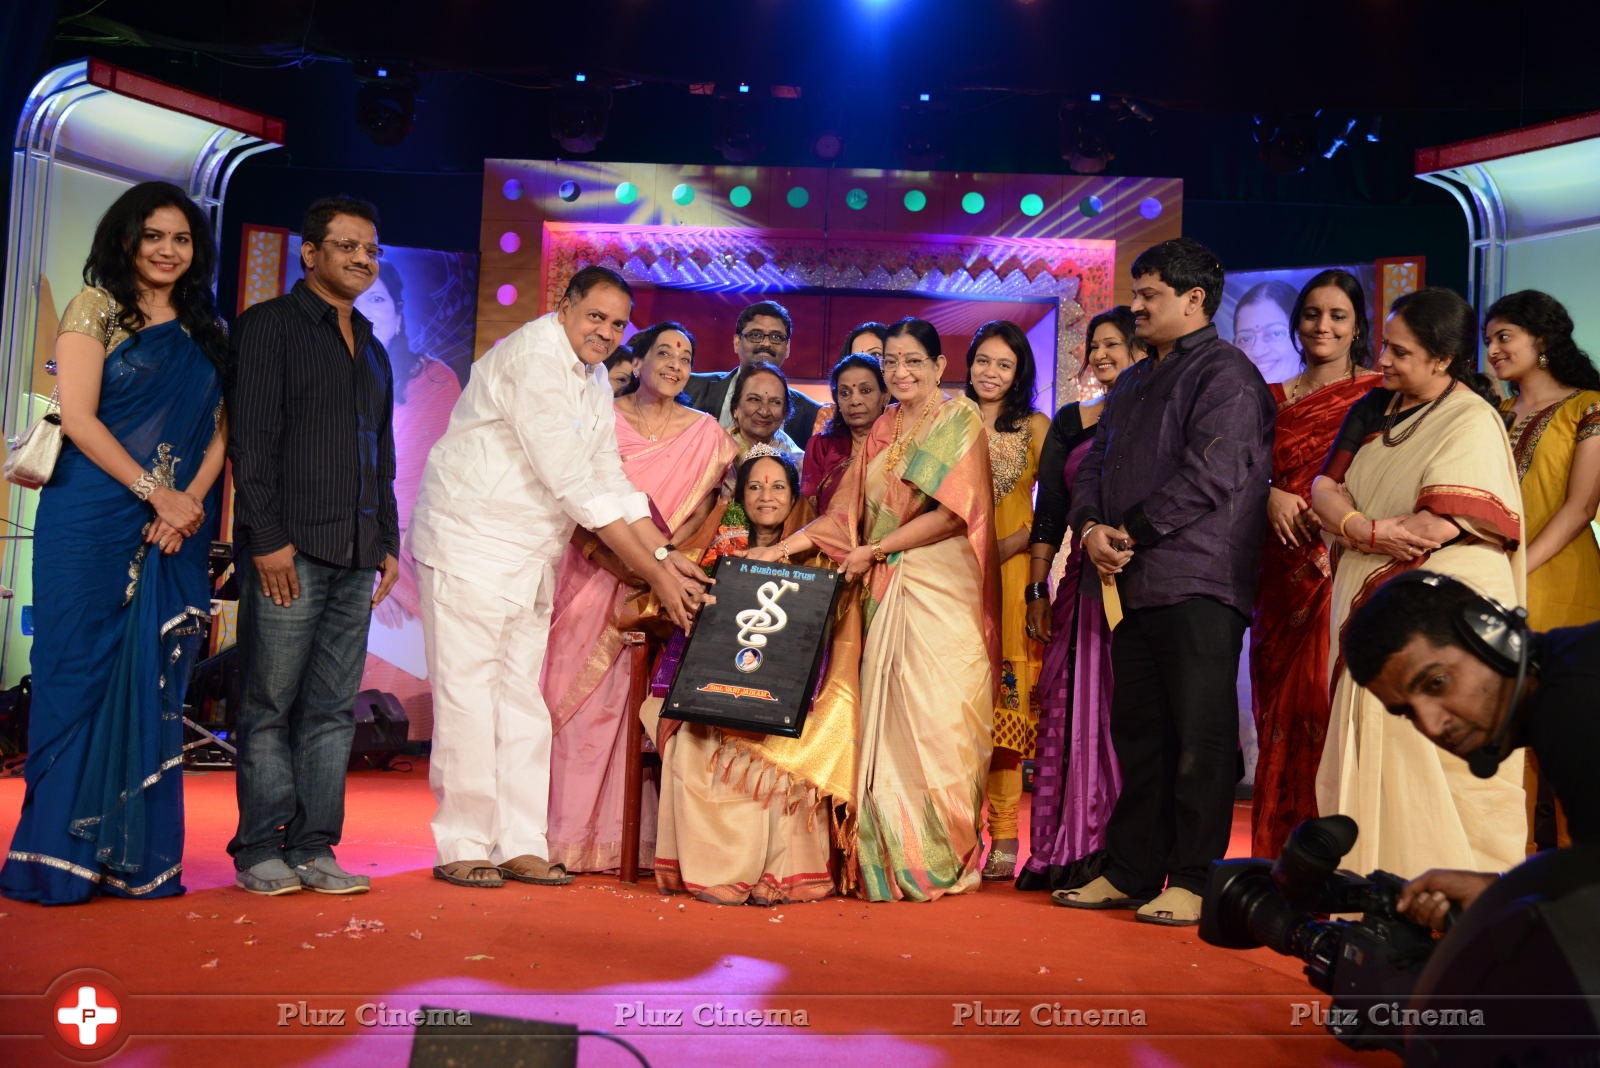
[[1089, 129], [386, 100], [580, 116], [1286, 143], [738, 129]]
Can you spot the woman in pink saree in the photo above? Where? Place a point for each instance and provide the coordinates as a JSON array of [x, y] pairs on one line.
[[676, 456]]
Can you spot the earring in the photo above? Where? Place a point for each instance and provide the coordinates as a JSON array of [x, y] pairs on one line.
[[1544, 361]]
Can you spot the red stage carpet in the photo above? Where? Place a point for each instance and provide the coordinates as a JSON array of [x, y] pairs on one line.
[[993, 977]]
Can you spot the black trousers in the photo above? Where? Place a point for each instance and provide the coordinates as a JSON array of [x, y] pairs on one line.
[[1175, 725]]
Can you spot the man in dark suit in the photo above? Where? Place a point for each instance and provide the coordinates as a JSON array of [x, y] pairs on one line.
[[763, 332]]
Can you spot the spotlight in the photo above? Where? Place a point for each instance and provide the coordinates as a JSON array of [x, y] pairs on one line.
[[744, 87], [828, 146], [1285, 143], [738, 131], [1094, 98], [1340, 140], [579, 118], [386, 102], [925, 97], [1375, 131], [1086, 137], [920, 148]]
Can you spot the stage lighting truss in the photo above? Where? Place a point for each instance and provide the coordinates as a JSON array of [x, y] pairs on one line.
[[386, 101], [579, 118]]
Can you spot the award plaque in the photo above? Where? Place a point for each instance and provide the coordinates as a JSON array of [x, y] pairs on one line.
[[752, 661]]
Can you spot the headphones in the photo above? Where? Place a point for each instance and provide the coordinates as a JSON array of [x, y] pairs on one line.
[[1497, 635]]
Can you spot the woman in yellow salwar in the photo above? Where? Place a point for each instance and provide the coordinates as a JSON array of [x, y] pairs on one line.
[[747, 818], [914, 521], [1554, 417], [1000, 380], [1421, 475]]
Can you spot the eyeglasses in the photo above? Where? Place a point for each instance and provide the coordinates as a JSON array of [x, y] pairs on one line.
[[1272, 335], [910, 363], [349, 247], [756, 337]]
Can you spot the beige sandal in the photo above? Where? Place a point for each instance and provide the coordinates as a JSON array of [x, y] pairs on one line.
[[1099, 894], [1173, 907]]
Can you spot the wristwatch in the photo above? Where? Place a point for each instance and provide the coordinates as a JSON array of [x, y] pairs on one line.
[[664, 551]]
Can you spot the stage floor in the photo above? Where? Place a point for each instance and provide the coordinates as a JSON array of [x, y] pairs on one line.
[[991, 977]]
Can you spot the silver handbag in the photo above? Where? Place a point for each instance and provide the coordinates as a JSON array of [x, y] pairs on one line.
[[33, 456]]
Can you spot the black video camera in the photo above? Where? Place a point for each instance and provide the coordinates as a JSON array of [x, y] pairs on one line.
[[1365, 964]]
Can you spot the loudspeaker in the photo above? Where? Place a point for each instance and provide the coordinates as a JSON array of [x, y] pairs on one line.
[[494, 1042], [381, 727]]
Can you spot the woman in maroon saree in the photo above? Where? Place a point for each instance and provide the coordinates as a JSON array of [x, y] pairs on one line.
[[1289, 634]]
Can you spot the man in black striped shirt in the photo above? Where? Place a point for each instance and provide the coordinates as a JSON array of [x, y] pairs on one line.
[[310, 402]]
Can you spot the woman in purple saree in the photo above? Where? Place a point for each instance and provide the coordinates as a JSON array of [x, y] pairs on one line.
[[1077, 781]]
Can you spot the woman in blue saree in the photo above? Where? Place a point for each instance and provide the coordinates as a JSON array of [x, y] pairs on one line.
[[121, 539]]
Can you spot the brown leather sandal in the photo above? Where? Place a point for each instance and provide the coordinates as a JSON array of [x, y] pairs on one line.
[[465, 873], [544, 873]]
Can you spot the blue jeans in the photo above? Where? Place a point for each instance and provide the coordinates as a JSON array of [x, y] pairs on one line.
[[302, 668]]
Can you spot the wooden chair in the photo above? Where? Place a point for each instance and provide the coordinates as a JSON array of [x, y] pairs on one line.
[[638, 647]]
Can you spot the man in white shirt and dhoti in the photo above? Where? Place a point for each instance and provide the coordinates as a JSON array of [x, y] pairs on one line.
[[530, 453]]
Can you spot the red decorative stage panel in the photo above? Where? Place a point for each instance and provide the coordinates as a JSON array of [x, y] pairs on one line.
[[835, 246]]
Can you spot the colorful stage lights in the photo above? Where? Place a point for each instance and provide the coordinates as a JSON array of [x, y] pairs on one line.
[[512, 189], [1150, 207], [1032, 204], [510, 242], [683, 194], [856, 199], [972, 203], [739, 196], [1090, 206], [798, 197], [568, 191], [627, 192], [915, 200], [506, 295]]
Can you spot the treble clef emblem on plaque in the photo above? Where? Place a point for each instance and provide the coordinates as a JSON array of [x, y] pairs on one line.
[[756, 623]]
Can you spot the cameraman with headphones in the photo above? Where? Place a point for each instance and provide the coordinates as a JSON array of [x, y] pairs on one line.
[[1471, 676]]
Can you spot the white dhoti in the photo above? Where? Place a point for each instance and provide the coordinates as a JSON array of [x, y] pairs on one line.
[[490, 769]]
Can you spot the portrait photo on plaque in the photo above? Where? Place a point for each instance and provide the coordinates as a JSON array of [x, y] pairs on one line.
[[753, 659]]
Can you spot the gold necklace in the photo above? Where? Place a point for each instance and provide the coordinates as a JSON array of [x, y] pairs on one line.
[[897, 447], [1301, 380], [644, 429]]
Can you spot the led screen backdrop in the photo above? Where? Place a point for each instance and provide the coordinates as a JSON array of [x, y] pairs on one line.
[[843, 245]]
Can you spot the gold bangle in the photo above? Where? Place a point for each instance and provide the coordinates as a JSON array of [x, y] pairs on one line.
[[1346, 519], [878, 555]]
